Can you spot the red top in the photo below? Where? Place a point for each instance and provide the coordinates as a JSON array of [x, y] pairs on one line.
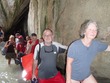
[[21, 47], [33, 47]]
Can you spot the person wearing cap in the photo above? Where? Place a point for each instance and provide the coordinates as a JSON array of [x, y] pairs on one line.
[[21, 46]]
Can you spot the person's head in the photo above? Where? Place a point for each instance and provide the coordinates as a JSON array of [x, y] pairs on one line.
[[89, 29], [28, 38], [33, 37], [21, 39], [11, 38], [17, 35], [48, 35], [41, 40]]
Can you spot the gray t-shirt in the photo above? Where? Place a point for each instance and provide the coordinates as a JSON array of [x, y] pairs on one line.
[[48, 56], [83, 57]]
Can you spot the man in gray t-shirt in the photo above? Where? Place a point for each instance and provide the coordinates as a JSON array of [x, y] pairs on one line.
[[47, 71], [48, 56]]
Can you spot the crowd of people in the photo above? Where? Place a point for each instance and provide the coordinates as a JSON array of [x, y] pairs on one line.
[[44, 54]]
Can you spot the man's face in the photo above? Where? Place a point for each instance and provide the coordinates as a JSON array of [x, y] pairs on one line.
[[33, 38], [47, 36]]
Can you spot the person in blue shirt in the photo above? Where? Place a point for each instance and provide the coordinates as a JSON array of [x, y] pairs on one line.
[[82, 52]]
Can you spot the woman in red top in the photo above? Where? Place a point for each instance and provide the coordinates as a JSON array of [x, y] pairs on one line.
[[21, 45], [32, 43], [27, 60]]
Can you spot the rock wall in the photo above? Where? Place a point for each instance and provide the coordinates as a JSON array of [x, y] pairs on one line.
[[44, 13], [65, 18], [6, 10], [10, 12]]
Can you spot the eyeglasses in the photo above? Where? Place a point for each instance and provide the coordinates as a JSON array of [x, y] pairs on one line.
[[48, 35], [48, 51]]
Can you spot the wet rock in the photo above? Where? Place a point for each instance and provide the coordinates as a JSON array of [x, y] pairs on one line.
[[10, 12]]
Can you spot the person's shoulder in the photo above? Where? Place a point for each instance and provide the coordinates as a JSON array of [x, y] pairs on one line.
[[75, 42], [37, 40], [96, 41], [40, 44], [99, 42], [54, 42]]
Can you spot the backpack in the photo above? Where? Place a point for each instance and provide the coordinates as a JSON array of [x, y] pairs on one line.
[[3, 51], [39, 59]]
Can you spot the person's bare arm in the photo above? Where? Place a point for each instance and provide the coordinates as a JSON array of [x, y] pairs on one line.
[[35, 62], [28, 48], [60, 45], [7, 44], [68, 69]]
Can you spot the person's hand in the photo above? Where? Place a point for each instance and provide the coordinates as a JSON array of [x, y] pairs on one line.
[[34, 77], [33, 43]]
